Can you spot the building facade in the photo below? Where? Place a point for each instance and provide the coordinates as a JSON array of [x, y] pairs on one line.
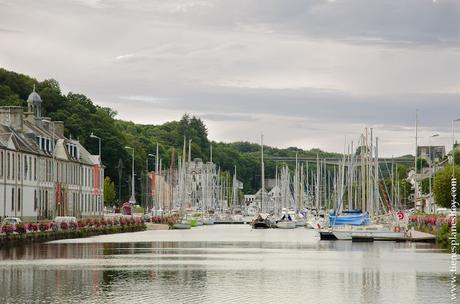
[[42, 173]]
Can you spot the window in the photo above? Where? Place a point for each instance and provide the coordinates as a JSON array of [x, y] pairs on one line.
[[19, 199], [12, 199], [19, 167], [35, 200], [13, 166], [30, 167], [8, 165], [1, 164], [35, 168], [26, 167]]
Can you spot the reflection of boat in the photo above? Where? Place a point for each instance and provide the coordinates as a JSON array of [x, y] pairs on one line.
[[261, 221]]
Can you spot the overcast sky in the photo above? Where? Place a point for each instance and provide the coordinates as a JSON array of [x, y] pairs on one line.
[[305, 73]]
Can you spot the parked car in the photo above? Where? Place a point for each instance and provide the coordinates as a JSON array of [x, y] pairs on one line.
[[58, 220], [13, 221], [147, 218]]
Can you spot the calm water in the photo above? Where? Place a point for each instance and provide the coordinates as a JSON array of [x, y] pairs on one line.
[[223, 264]]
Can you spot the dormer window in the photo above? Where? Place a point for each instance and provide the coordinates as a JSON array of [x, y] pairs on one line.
[[44, 144], [73, 150]]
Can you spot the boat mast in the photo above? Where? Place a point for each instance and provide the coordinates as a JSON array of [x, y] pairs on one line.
[[415, 160], [262, 176]]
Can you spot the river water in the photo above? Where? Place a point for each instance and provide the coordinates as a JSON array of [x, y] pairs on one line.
[[223, 264]]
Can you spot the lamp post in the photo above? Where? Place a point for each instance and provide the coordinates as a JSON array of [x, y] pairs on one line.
[[147, 179], [431, 158], [53, 167], [100, 155], [100, 163], [132, 199]]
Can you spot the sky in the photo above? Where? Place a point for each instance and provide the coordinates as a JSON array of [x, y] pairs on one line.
[[305, 73]]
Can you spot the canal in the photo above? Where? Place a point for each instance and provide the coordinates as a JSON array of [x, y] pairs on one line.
[[223, 264]]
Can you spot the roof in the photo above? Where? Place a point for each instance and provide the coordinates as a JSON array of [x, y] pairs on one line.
[[25, 140], [34, 97]]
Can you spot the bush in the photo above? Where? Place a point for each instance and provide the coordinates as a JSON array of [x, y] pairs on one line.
[[123, 221], [8, 229], [64, 226], [36, 227], [21, 228]]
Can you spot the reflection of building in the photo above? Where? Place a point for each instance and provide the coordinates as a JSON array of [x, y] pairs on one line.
[[42, 173], [431, 153]]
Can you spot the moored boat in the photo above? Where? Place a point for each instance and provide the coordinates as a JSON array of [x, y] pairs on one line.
[[261, 221], [183, 224], [286, 222]]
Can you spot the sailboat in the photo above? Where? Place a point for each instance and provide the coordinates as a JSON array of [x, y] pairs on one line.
[[262, 220], [351, 224], [286, 221]]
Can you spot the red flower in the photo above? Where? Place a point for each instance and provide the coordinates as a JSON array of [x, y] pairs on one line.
[[7, 229]]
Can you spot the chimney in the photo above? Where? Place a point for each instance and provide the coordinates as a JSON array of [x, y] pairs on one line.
[[12, 116], [59, 128]]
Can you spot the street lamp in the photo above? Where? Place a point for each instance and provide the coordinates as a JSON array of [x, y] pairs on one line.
[[431, 162], [147, 178], [132, 199], [94, 136], [100, 163], [54, 166]]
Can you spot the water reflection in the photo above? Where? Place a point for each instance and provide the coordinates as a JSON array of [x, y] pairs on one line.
[[176, 267]]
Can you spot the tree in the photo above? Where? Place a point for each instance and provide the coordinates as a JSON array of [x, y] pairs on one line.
[[109, 191], [442, 186], [421, 163]]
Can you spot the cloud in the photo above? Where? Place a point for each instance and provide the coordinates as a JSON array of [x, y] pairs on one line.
[[305, 73]]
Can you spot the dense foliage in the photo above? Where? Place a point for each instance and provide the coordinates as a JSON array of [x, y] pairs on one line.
[[442, 186]]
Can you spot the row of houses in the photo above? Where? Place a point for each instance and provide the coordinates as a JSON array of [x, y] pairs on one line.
[[43, 174]]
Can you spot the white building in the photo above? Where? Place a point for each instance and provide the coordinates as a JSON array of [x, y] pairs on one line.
[[42, 173]]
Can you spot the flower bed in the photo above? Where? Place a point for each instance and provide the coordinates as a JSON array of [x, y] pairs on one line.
[[12, 235], [436, 224]]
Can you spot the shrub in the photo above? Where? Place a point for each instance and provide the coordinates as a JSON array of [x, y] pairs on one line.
[[64, 226], [123, 221], [73, 225], [36, 227], [8, 229], [21, 228], [29, 227]]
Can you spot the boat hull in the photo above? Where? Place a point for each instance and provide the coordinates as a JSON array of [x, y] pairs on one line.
[[182, 226], [300, 223], [286, 225], [260, 225], [327, 235], [342, 235]]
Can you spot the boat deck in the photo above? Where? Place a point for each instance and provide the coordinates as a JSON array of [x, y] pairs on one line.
[[413, 236]]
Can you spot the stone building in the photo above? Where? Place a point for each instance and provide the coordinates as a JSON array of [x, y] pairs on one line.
[[43, 174]]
